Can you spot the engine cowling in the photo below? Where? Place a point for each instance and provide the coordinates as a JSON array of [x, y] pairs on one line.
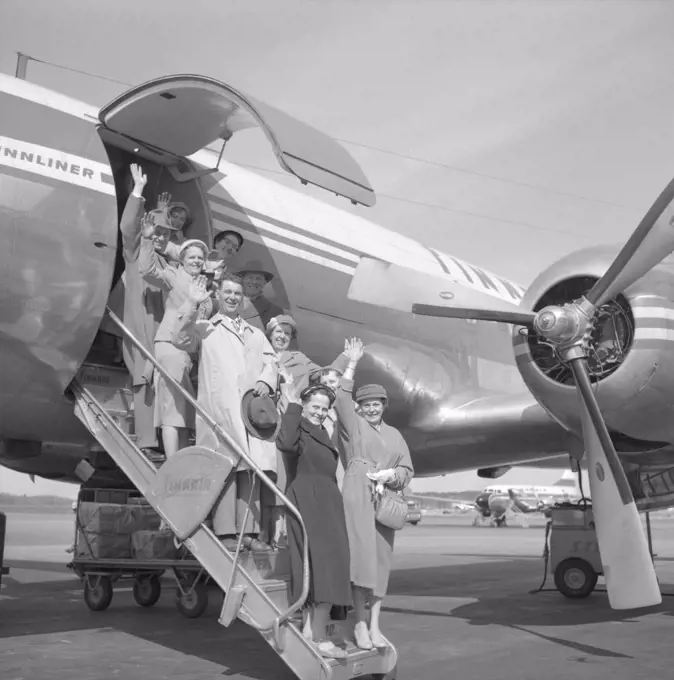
[[631, 356]]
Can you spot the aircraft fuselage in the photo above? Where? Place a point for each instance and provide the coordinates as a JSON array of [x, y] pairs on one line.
[[63, 183]]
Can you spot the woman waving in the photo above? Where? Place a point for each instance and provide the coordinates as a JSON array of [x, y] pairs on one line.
[[377, 459], [312, 462]]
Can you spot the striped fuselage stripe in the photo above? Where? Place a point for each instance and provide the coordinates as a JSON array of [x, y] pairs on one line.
[[231, 208], [280, 238]]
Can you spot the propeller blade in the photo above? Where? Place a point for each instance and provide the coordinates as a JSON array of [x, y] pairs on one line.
[[517, 318], [651, 242], [630, 576], [395, 287]]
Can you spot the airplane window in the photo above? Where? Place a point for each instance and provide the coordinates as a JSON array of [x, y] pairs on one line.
[[22, 195]]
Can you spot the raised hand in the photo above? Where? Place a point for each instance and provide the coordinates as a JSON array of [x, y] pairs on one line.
[[353, 349], [147, 226], [198, 291], [214, 262], [261, 389], [163, 200], [289, 391], [139, 179]]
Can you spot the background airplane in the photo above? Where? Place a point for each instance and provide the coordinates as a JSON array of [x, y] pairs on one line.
[[497, 502], [566, 488]]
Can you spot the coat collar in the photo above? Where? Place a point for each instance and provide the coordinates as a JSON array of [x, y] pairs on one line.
[[320, 434], [225, 322], [289, 355]]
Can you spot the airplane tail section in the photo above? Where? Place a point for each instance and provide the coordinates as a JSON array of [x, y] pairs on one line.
[[568, 480], [518, 503]]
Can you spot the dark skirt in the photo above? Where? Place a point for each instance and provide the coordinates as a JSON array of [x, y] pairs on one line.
[[320, 503]]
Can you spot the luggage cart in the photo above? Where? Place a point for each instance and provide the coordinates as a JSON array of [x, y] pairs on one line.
[[99, 574], [575, 562]]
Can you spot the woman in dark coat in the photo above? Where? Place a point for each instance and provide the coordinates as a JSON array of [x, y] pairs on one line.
[[294, 367], [312, 463]]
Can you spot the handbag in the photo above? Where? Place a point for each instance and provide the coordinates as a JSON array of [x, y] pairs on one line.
[[390, 509]]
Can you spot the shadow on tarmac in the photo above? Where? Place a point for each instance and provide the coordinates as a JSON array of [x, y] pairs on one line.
[[503, 597]]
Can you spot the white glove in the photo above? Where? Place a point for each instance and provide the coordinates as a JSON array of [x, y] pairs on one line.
[[382, 476], [283, 372]]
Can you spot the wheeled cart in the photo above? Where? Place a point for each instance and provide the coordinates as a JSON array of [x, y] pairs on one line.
[[99, 575], [574, 561], [96, 563]]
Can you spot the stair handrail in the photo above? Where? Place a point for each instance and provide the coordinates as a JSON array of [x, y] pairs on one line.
[[229, 441]]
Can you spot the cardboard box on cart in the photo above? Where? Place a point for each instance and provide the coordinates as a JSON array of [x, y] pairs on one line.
[[104, 529], [153, 545]]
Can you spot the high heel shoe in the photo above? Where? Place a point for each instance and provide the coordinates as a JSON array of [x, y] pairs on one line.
[[362, 636], [378, 639], [329, 650]]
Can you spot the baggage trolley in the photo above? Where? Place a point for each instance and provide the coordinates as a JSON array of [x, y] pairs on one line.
[[99, 574], [575, 562]]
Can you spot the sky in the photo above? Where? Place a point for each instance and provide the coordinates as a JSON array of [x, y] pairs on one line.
[[542, 127]]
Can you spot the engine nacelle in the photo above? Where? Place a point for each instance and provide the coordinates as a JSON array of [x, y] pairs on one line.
[[631, 357]]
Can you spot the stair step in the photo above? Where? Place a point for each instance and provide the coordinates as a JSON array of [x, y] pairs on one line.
[[361, 663], [278, 591], [111, 377], [111, 387], [265, 566], [358, 661]]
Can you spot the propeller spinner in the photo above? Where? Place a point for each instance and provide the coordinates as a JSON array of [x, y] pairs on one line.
[[631, 581]]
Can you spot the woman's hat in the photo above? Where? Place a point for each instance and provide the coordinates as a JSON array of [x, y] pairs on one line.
[[260, 416], [278, 320], [371, 392], [194, 242], [257, 267], [179, 204], [318, 389], [221, 234]]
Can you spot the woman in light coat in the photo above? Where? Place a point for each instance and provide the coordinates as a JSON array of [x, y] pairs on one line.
[[375, 453], [173, 414]]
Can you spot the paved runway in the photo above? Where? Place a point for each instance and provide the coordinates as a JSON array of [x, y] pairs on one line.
[[459, 607]]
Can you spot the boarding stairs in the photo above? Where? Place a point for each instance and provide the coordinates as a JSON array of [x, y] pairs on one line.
[[184, 491]]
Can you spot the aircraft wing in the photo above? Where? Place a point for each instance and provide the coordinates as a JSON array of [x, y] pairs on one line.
[[400, 288], [443, 502]]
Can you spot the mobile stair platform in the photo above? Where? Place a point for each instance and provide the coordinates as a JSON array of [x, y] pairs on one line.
[[184, 491]]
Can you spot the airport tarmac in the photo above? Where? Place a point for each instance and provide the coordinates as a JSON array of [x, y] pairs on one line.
[[459, 606]]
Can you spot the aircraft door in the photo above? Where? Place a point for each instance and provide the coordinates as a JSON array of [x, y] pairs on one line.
[[180, 115]]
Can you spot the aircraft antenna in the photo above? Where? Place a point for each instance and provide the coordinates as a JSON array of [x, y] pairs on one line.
[[21, 65]]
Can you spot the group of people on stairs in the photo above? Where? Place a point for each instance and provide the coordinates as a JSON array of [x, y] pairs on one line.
[[325, 446]]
